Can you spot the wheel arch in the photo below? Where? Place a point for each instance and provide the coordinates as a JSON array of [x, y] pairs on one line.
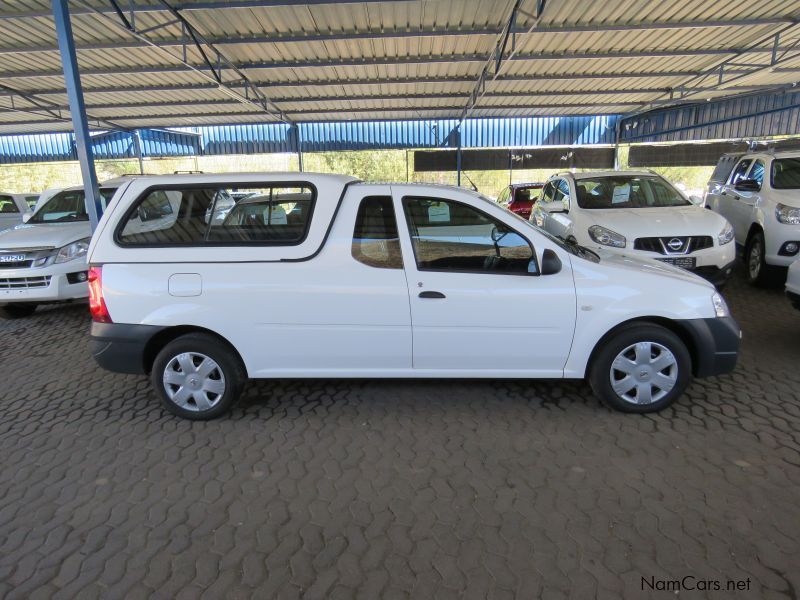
[[165, 336], [754, 228], [684, 334]]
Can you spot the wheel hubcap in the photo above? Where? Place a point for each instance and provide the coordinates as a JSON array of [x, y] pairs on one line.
[[194, 381], [755, 259], [644, 373]]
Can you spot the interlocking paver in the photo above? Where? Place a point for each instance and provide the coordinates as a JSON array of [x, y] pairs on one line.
[[420, 489]]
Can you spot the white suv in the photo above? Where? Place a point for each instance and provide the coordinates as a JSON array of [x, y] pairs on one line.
[[43, 260], [759, 193], [638, 214], [322, 276]]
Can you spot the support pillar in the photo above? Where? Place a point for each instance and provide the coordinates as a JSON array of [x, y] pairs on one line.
[[77, 108]]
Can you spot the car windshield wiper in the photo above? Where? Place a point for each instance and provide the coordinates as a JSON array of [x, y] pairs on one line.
[[579, 250]]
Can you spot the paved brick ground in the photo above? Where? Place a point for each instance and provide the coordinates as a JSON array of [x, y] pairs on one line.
[[395, 489]]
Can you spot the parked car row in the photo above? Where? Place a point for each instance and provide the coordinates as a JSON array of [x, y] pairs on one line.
[[204, 281]]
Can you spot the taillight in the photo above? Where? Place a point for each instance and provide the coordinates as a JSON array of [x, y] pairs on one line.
[[97, 305]]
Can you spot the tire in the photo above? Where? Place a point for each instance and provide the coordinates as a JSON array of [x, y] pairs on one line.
[[759, 273], [627, 345], [17, 311], [205, 396]]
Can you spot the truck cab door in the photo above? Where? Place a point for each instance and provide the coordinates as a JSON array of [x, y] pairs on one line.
[[479, 306]]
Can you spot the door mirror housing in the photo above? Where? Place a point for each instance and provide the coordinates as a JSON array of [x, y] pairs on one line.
[[551, 264], [554, 207], [747, 185]]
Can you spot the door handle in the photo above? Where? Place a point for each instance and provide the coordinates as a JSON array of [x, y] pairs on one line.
[[431, 295]]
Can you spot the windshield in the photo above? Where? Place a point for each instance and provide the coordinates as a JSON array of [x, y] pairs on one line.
[[627, 191], [68, 207], [786, 173]]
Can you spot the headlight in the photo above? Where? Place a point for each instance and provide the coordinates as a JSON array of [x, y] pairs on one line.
[[606, 237], [726, 235], [720, 307], [787, 214], [72, 251]]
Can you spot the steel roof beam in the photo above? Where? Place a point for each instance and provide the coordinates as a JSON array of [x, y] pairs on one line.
[[719, 76], [241, 89], [278, 38], [366, 97], [179, 87], [188, 6], [452, 110], [389, 61]]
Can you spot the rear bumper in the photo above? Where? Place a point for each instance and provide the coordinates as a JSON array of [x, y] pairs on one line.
[[716, 343], [121, 347]]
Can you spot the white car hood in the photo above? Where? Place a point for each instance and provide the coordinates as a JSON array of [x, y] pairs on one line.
[[649, 265], [658, 222], [44, 235]]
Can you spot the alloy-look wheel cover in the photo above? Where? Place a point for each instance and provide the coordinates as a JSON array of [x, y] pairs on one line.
[[643, 373], [194, 381]]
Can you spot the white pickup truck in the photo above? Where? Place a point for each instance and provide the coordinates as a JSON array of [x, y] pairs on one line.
[[315, 275]]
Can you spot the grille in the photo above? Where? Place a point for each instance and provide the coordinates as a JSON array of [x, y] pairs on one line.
[[24, 283], [660, 245], [20, 264]]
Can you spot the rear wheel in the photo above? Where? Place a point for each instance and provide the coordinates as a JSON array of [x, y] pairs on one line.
[[642, 368], [198, 377], [759, 273], [17, 311]]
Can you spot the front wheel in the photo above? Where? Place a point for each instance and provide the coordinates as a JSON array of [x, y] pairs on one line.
[[642, 368], [759, 273], [197, 377], [17, 310]]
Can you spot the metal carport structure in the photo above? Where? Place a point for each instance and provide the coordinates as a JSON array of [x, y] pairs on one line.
[[161, 63]]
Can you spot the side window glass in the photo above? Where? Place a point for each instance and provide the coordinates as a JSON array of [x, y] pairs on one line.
[[221, 216], [740, 170], [548, 192], [375, 239], [468, 240], [7, 205], [757, 172]]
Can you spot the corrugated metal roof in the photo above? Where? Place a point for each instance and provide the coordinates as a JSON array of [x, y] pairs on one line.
[[369, 60], [734, 118]]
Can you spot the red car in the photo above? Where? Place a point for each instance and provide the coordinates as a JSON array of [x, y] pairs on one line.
[[519, 198]]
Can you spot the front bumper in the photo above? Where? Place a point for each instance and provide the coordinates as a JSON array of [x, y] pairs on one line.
[[775, 236], [121, 347], [716, 344], [43, 284]]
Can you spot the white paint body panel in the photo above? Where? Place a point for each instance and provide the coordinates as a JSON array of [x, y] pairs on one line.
[[312, 310], [745, 209]]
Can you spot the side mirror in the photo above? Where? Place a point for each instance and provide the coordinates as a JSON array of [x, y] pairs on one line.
[[551, 264], [554, 207], [747, 185], [26, 216]]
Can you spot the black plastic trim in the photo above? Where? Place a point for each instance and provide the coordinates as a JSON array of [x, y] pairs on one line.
[[716, 344], [716, 275], [120, 347]]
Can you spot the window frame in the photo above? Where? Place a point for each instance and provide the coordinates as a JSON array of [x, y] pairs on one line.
[[397, 229], [763, 173], [403, 203], [123, 221]]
